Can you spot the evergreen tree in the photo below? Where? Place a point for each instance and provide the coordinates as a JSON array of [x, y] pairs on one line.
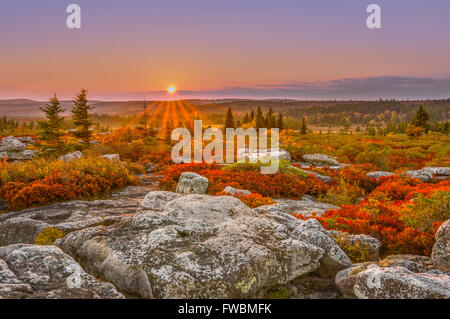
[[270, 119], [252, 116], [82, 118], [280, 123], [168, 133], [304, 126], [421, 118], [246, 118], [51, 128], [229, 122], [259, 118]]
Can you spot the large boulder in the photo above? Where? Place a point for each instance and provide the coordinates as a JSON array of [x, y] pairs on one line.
[[320, 160], [18, 156], [195, 246], [401, 283], [334, 258], [441, 249], [306, 207], [31, 271], [396, 276], [192, 183], [11, 144], [71, 156]]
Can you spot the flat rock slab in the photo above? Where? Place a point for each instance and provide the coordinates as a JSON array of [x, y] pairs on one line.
[[23, 226], [31, 271]]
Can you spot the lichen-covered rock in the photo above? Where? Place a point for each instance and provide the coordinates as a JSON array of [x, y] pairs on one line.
[[112, 157], [24, 226], [199, 246], [157, 200], [233, 191], [306, 207], [441, 249], [11, 144], [359, 248], [400, 283], [30, 271], [18, 156], [71, 156], [379, 174], [346, 278], [192, 183], [334, 259], [320, 160]]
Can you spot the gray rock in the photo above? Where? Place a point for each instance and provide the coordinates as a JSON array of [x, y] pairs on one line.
[[320, 160], [345, 279], [112, 157], [426, 174], [199, 246], [367, 245], [24, 226], [306, 206], [400, 283], [379, 174], [323, 178], [11, 144], [18, 156], [254, 155], [441, 250], [334, 259], [30, 271], [25, 139], [71, 156], [192, 183], [157, 200], [233, 191]]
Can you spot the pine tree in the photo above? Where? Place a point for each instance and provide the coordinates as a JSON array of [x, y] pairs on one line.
[[304, 126], [229, 122], [82, 118], [259, 118], [51, 128], [270, 119], [168, 133], [252, 116], [421, 118], [280, 123], [246, 118]]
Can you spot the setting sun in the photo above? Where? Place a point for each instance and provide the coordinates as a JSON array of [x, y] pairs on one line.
[[171, 89]]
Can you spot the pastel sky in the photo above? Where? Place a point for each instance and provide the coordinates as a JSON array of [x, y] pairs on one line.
[[135, 49]]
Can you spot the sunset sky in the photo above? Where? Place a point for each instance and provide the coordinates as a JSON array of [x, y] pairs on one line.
[[136, 49]]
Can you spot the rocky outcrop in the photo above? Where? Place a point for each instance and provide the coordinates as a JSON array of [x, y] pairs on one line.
[[11, 144], [192, 183], [71, 156], [14, 150], [379, 174], [441, 249], [323, 178], [201, 246], [233, 191], [306, 207], [320, 160], [426, 174], [255, 155], [400, 283], [396, 276], [30, 271], [24, 226], [112, 157], [334, 259]]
